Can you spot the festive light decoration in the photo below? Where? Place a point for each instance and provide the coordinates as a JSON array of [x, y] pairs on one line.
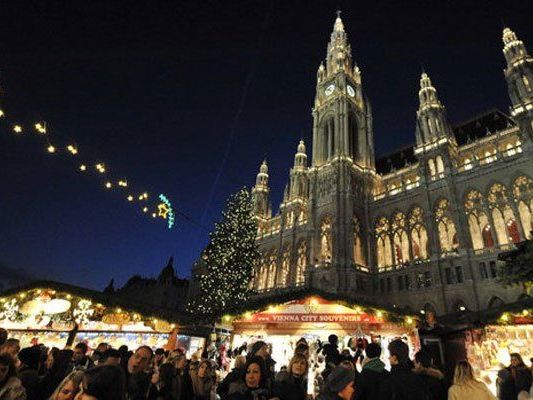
[[100, 168], [17, 129], [130, 198], [108, 185], [51, 149], [166, 211], [83, 167], [123, 183], [10, 310], [72, 149], [41, 128], [229, 259], [1, 113], [145, 209]]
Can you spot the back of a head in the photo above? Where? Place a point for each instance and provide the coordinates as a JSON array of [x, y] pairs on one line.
[[167, 372], [399, 349], [110, 353], [62, 361], [373, 350], [7, 361], [105, 382], [333, 339], [83, 347], [463, 374], [30, 356], [423, 358]]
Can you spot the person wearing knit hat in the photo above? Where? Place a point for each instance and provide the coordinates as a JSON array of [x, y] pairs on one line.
[[339, 384]]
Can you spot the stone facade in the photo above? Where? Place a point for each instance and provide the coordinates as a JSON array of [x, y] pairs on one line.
[[420, 228]]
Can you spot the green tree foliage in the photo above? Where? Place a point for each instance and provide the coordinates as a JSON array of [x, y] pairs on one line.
[[518, 266], [229, 259]]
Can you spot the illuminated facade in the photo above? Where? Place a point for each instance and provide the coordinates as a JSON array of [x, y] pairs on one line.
[[420, 228]]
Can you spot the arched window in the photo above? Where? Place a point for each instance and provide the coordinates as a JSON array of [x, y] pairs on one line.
[[439, 165], [326, 240], [285, 265], [446, 228], [502, 215], [495, 302], [301, 263], [523, 194], [419, 237], [401, 241], [262, 271], [326, 145], [478, 222], [383, 243], [432, 168], [271, 274], [358, 254]]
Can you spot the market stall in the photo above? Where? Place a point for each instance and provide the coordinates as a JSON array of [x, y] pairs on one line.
[[489, 347], [58, 315], [315, 318]]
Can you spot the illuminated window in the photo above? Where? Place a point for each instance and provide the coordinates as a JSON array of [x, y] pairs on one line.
[[527, 85], [502, 215], [446, 228], [301, 264], [285, 265], [400, 239], [357, 243], [523, 194], [419, 237], [326, 240], [478, 222], [383, 243]]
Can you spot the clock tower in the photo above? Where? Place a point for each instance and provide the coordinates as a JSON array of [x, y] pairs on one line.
[[342, 171]]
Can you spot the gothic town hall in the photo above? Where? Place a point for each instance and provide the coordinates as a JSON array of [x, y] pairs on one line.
[[420, 228]]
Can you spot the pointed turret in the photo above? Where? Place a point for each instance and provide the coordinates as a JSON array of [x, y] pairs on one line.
[[432, 123], [260, 192], [518, 74], [168, 274], [339, 56], [110, 288], [298, 175]]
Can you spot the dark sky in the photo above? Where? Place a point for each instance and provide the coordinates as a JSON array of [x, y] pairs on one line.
[[157, 90]]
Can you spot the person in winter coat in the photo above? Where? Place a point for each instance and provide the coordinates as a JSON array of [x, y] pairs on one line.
[[253, 386], [433, 379], [505, 385], [236, 374], [202, 381], [520, 374], [331, 350], [10, 386], [292, 384], [402, 383], [466, 387], [61, 367], [373, 374], [339, 384], [28, 372]]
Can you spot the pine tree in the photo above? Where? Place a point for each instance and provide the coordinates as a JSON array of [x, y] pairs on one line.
[[518, 267], [229, 259]]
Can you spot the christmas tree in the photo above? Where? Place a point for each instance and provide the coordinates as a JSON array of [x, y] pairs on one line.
[[518, 267], [229, 259]]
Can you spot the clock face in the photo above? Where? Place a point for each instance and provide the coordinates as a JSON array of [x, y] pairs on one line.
[[329, 90], [351, 92]]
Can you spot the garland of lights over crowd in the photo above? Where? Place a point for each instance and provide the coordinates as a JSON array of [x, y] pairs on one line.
[[156, 206]]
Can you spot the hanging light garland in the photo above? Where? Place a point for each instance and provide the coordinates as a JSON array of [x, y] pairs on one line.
[[162, 209]]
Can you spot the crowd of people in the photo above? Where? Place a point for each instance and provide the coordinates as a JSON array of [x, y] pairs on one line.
[[104, 373]]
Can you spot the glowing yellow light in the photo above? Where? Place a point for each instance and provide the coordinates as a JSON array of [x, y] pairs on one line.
[[145, 209], [1, 113], [130, 198], [22, 295], [100, 167], [141, 197], [172, 326], [379, 314], [358, 310], [83, 167], [505, 317], [524, 313], [38, 291], [123, 183], [119, 310], [108, 185], [272, 308], [247, 315], [145, 195], [163, 210], [154, 215], [227, 318], [409, 320], [72, 149], [17, 129], [40, 127], [155, 320], [314, 302], [51, 149], [69, 296]]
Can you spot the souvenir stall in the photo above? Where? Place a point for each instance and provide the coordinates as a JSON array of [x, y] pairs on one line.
[[315, 318], [489, 347], [59, 315]]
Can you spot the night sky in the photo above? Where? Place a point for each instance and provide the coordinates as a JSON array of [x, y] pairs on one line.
[[163, 91]]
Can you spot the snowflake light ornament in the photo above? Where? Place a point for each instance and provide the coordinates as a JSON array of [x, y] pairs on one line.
[[10, 310], [83, 312]]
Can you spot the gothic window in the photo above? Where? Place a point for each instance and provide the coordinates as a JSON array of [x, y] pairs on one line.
[[383, 243], [353, 145], [327, 138], [325, 240], [446, 227], [430, 126], [285, 265], [478, 222], [261, 283], [440, 166], [419, 237], [301, 263], [523, 193], [289, 220], [302, 219], [502, 215], [400, 239], [527, 85], [271, 272], [357, 243], [432, 169]]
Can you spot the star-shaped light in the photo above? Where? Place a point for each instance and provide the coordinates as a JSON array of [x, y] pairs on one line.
[[163, 210]]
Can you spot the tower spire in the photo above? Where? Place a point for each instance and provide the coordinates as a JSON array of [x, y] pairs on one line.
[[261, 191], [339, 57]]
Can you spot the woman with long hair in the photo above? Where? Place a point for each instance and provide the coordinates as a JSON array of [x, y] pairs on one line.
[[105, 382], [69, 387], [292, 384], [202, 381], [254, 384], [10, 386], [520, 374], [466, 386]]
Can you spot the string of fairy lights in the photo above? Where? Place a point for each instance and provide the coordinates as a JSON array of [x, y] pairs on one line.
[[156, 206]]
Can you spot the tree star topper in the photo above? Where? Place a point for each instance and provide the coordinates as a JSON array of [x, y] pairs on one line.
[[165, 210]]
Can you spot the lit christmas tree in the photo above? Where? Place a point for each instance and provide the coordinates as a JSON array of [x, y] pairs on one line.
[[229, 260]]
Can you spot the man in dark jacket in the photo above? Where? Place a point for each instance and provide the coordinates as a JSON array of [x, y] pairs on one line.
[[339, 384], [331, 350], [402, 383], [235, 374], [433, 379], [373, 374]]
